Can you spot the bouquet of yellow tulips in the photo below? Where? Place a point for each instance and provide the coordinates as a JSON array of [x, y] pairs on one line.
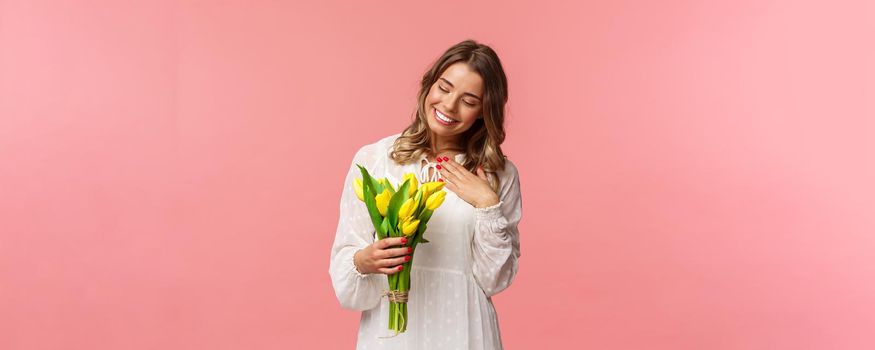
[[404, 212]]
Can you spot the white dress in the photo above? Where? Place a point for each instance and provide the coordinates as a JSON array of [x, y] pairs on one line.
[[471, 256]]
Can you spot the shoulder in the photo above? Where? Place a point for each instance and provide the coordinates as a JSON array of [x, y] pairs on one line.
[[508, 177], [376, 147], [387, 142], [510, 170]]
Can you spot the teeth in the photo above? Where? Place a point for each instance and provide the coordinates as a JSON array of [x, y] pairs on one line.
[[441, 116]]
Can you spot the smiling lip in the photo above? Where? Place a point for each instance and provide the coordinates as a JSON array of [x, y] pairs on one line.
[[436, 112]]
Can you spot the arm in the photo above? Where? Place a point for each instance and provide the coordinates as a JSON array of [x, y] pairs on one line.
[[355, 231], [496, 246]]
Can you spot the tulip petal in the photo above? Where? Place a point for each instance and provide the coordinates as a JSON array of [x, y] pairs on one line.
[[395, 202], [357, 186]]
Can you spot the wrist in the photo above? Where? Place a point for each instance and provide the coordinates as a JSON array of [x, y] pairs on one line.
[[355, 262], [487, 203]]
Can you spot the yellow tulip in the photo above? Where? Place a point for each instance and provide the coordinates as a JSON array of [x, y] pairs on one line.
[[425, 188], [438, 185], [383, 201], [418, 199], [407, 209], [409, 226], [414, 182], [435, 200], [431, 187], [401, 222], [357, 185]]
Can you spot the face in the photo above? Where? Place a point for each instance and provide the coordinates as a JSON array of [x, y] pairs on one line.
[[456, 95]]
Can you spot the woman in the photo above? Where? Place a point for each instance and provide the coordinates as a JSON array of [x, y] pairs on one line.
[[455, 137]]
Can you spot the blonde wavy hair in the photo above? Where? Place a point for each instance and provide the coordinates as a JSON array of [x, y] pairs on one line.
[[482, 142]]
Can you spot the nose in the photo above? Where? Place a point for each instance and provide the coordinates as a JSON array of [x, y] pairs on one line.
[[450, 102]]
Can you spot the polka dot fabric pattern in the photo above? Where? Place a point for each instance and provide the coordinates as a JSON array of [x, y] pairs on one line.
[[472, 255]]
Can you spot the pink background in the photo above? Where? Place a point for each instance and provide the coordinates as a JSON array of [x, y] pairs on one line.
[[694, 176]]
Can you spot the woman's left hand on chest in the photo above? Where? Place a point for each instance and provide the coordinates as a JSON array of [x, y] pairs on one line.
[[472, 188]]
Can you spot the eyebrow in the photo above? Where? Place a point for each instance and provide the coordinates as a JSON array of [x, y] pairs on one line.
[[467, 93]]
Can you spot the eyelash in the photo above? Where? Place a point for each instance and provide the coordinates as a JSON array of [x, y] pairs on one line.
[[444, 90]]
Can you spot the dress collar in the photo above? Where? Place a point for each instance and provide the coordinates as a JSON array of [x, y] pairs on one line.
[[436, 175]]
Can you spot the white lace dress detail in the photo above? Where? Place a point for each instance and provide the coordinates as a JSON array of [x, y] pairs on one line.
[[472, 255]]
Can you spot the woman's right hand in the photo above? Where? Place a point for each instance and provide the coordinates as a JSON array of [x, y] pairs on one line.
[[380, 257]]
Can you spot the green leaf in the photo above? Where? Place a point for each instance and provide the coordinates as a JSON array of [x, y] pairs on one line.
[[395, 203], [371, 203], [385, 227], [377, 185], [420, 231], [368, 180], [425, 215], [388, 185], [418, 198]]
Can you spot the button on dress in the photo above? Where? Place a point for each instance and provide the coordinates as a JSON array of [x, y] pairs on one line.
[[472, 255]]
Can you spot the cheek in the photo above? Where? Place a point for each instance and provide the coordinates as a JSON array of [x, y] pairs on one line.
[[430, 100], [432, 97], [470, 115]]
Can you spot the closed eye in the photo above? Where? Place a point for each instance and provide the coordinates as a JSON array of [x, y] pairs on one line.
[[447, 91]]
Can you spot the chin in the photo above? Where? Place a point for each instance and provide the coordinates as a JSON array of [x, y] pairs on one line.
[[439, 130]]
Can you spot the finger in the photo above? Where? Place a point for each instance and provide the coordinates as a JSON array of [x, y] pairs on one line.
[[443, 168], [398, 251], [390, 242], [394, 261], [380, 254], [400, 241], [481, 173], [457, 169], [450, 166], [448, 174], [391, 270], [450, 186], [382, 244], [445, 181]]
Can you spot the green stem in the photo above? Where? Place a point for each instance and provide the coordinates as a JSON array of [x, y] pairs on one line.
[[398, 311], [393, 307]]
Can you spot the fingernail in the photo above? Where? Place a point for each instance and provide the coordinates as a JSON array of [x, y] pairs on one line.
[[440, 160], [441, 180], [446, 158], [403, 240], [439, 167], [410, 249], [407, 258], [400, 267]]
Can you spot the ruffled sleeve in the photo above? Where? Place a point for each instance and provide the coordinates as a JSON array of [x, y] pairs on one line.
[[355, 231], [496, 244]]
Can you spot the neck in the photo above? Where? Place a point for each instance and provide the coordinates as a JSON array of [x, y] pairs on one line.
[[440, 144]]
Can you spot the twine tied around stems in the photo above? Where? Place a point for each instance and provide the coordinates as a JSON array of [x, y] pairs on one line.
[[395, 296]]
